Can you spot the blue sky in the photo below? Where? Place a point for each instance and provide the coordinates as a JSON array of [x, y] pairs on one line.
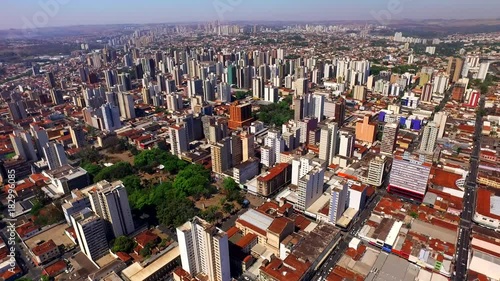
[[19, 13]]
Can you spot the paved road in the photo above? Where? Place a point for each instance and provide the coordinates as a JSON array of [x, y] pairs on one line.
[[463, 243], [22, 258], [339, 250]]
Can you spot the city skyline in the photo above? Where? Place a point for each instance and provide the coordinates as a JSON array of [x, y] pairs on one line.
[[55, 13]]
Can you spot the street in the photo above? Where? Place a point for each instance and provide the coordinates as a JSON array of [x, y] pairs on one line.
[[463, 243]]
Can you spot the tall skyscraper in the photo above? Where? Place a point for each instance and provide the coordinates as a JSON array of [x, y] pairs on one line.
[[50, 80], [440, 119], [90, 233], [23, 145], [77, 136], [338, 201], [359, 93], [427, 92], [247, 143], [389, 137], [178, 139], [240, 115], [483, 70], [17, 110], [126, 104], [454, 68], [110, 202], [55, 155], [204, 249], [346, 146], [328, 142], [429, 137], [274, 144], [41, 138], [376, 170], [221, 155], [109, 117], [310, 188], [56, 96]]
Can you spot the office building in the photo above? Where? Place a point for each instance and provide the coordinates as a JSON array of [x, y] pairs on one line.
[[204, 250], [55, 155], [90, 233], [23, 145], [178, 138], [276, 178], [429, 138], [357, 196], [366, 130], [409, 176], [389, 138], [110, 202], [338, 201], [240, 115]]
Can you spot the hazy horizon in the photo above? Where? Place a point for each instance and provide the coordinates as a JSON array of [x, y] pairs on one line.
[[59, 13]]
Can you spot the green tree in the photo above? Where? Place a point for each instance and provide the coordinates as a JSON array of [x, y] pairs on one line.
[[123, 244], [115, 172], [146, 251], [92, 170], [211, 214]]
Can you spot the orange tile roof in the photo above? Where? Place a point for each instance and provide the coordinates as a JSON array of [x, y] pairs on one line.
[[278, 225], [484, 196], [55, 268], [26, 228], [246, 240], [275, 171], [44, 248]]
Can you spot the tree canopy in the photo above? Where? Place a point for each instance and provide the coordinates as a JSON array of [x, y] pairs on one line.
[[123, 244]]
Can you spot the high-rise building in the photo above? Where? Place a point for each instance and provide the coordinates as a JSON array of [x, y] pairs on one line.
[[389, 137], [126, 104], [310, 188], [366, 130], [17, 110], [346, 146], [221, 155], [328, 143], [376, 170], [109, 118], [224, 90], [301, 86], [110, 202], [427, 92], [248, 149], [274, 144], [90, 233], [429, 138], [41, 138], [50, 80], [454, 68], [23, 145], [55, 155], [483, 70], [359, 93], [338, 201], [77, 136], [56, 96], [204, 249], [240, 115], [440, 83], [257, 87], [440, 119], [178, 139], [409, 176]]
